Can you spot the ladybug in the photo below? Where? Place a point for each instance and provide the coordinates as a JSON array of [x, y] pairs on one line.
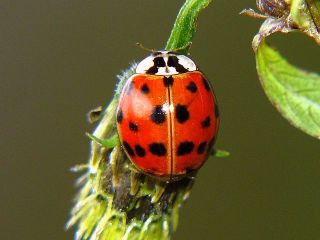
[[167, 116]]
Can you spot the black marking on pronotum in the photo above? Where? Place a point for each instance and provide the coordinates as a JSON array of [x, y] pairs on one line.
[[185, 148], [152, 70], [133, 127], [158, 62], [192, 87], [206, 84], [128, 148], [156, 54], [201, 147], [216, 111], [158, 115], [119, 116], [173, 61], [158, 149], [206, 122], [168, 81], [140, 150], [182, 113], [145, 89]]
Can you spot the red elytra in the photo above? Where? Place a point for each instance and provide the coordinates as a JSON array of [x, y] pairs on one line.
[[167, 117]]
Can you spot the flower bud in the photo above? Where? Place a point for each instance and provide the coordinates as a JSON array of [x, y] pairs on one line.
[[275, 8]]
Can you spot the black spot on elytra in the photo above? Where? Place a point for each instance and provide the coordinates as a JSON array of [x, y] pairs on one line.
[[192, 87], [140, 150], [158, 149], [168, 81], [206, 84], [119, 116], [158, 115], [216, 111], [201, 147], [128, 148], [156, 54], [145, 89], [189, 170], [185, 148], [182, 113], [158, 62], [211, 143], [206, 122], [133, 127], [173, 61]]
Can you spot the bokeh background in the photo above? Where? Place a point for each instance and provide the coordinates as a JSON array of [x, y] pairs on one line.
[[59, 59]]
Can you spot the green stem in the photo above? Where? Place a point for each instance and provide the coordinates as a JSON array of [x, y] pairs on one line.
[[185, 26], [314, 8]]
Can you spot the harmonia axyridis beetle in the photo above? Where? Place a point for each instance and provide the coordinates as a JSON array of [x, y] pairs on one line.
[[167, 117]]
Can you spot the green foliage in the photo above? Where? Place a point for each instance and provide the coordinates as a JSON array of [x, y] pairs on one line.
[[294, 92], [220, 153], [106, 143], [185, 25]]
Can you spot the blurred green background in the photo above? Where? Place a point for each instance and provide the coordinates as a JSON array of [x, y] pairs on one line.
[[58, 59]]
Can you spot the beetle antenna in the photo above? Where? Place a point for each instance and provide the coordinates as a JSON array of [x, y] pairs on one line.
[[174, 50], [145, 48], [183, 47]]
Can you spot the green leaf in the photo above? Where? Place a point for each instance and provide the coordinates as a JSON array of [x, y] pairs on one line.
[[221, 153], [294, 92], [185, 25], [107, 143]]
